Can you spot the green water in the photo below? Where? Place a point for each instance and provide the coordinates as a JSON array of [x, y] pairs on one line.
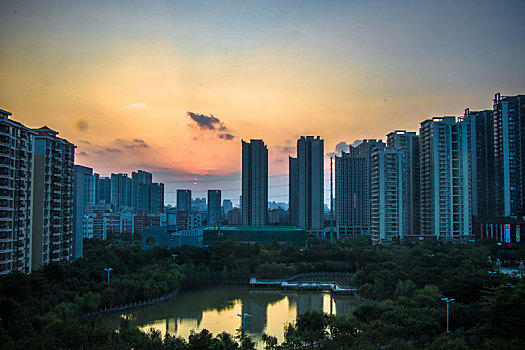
[[216, 308]]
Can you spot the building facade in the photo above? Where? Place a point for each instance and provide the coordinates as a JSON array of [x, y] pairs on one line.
[[121, 191], [352, 204], [481, 138], [84, 190], [389, 203], [254, 183], [306, 179], [408, 142], [214, 207], [52, 199], [183, 200], [509, 155], [16, 189], [445, 179], [364, 150]]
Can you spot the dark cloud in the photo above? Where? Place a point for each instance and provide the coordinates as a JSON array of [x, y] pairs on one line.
[[206, 123], [285, 149], [118, 146], [211, 123], [136, 143], [226, 136], [82, 153]]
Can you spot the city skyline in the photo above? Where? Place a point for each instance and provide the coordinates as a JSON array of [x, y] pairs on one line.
[[175, 95]]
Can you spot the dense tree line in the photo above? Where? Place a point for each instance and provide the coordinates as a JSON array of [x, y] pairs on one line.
[[46, 309]]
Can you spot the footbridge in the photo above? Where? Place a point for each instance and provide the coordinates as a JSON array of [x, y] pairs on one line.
[[315, 284]]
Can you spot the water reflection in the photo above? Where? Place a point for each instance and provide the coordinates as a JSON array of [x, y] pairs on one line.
[[216, 308]]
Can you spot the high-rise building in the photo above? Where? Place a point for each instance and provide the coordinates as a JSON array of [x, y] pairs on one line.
[[84, 190], [104, 190], [227, 205], [184, 200], [509, 155], [140, 190], [254, 183], [52, 198], [156, 198], [352, 203], [445, 179], [408, 142], [16, 180], [389, 202], [364, 150], [293, 191], [214, 207], [306, 179], [481, 138], [147, 196], [121, 194]]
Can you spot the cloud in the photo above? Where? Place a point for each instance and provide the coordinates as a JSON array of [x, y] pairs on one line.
[[211, 123], [285, 149], [118, 146], [136, 105], [226, 136], [135, 143], [340, 147]]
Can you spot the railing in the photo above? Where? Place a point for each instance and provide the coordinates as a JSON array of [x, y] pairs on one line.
[[133, 305]]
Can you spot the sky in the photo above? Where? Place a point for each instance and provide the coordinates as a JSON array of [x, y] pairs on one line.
[[172, 87]]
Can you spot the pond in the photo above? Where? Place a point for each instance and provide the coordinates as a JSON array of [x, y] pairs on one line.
[[216, 309]]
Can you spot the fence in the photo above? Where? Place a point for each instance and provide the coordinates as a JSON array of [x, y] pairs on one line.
[[133, 305]]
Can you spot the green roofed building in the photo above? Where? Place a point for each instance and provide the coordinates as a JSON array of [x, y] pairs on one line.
[[256, 234]]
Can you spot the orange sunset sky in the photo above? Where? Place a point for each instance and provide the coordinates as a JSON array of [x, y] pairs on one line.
[[122, 79]]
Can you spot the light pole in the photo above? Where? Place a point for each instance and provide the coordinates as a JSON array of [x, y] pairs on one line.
[[109, 269], [448, 301], [244, 316], [174, 256]]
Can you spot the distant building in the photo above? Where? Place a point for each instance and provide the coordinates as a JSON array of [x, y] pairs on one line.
[[352, 203], [307, 184], [389, 202], [408, 142], [147, 196], [214, 207], [445, 179], [121, 196], [509, 155], [235, 217], [481, 139], [277, 216], [227, 205], [188, 220], [364, 150], [52, 199], [16, 192], [184, 200], [104, 190], [84, 193], [254, 183]]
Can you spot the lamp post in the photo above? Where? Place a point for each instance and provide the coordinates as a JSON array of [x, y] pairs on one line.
[[448, 301], [244, 316], [174, 256], [109, 269]]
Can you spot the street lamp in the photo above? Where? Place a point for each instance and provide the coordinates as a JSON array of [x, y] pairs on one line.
[[174, 256], [448, 301], [109, 269], [244, 316]]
